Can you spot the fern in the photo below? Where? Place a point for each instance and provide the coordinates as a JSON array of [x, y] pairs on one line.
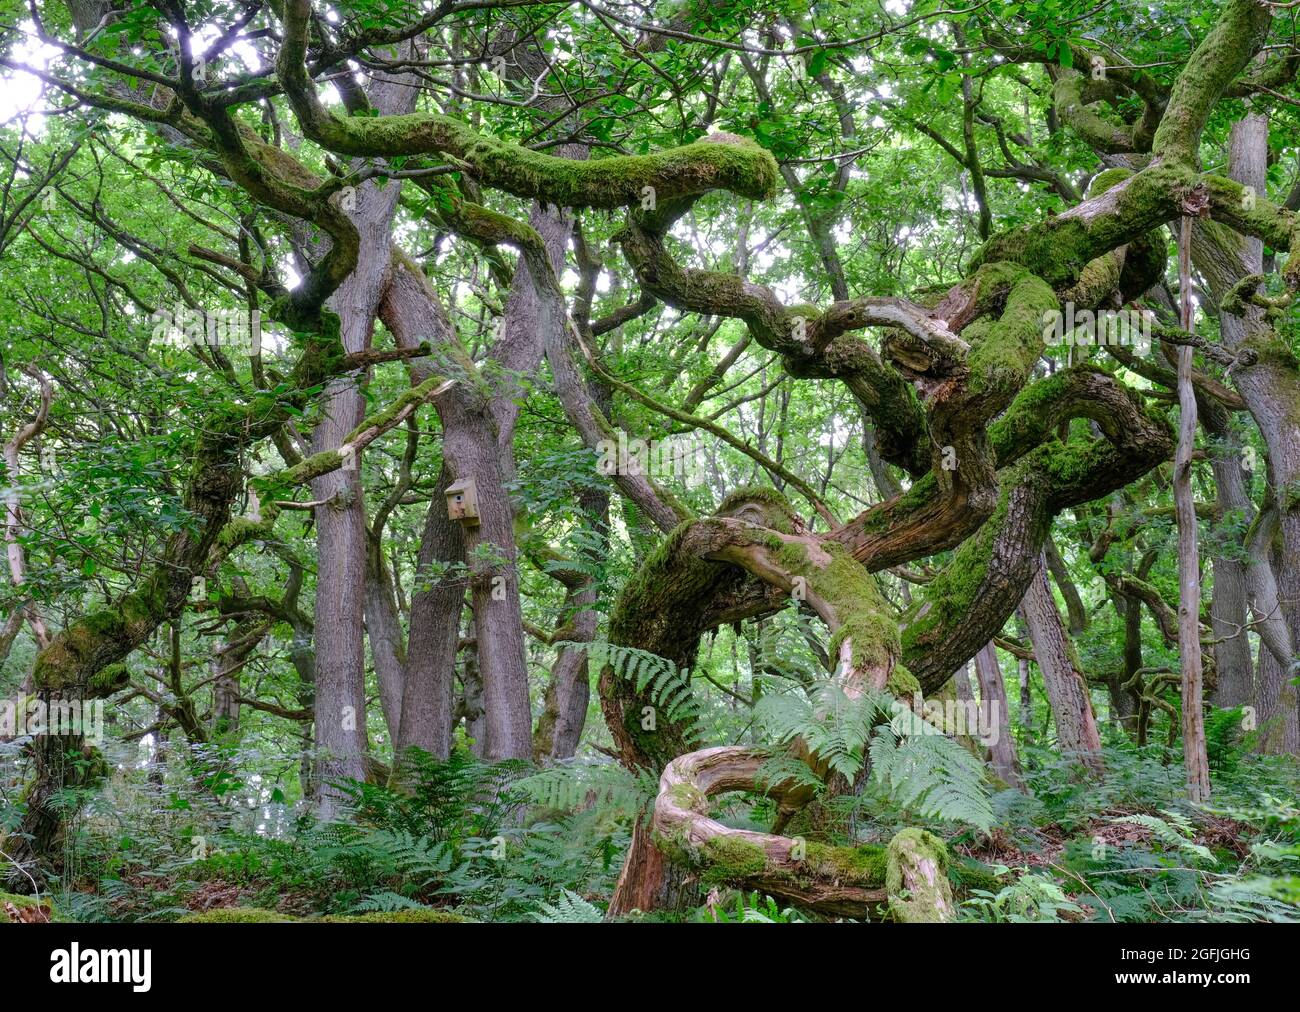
[[929, 773], [669, 688], [780, 647], [834, 726], [1175, 833], [1030, 899], [570, 908], [569, 785], [387, 902], [755, 909], [923, 769], [787, 771]]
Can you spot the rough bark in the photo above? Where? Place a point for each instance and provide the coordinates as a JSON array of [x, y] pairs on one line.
[[428, 676], [993, 700], [1067, 689], [342, 530], [1195, 763]]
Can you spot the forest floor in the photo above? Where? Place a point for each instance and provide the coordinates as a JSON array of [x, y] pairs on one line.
[[1120, 846]]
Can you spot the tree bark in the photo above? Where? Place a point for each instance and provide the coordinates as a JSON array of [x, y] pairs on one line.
[[1189, 571], [1067, 689], [993, 701]]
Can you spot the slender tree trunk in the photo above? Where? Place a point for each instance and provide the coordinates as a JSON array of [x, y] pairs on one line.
[[14, 524], [993, 702], [1235, 684], [1189, 572], [1076, 727], [1125, 702], [1074, 609], [472, 706], [564, 713], [384, 631]]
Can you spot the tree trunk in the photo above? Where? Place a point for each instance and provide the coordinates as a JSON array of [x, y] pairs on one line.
[[1189, 570], [1074, 609], [1235, 685], [1278, 717], [1270, 386], [384, 630], [993, 702], [1076, 727], [649, 880], [429, 675], [341, 525], [412, 311]]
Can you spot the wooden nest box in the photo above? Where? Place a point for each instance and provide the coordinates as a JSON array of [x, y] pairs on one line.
[[462, 501]]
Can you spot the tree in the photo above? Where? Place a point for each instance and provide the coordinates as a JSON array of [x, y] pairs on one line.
[[524, 212]]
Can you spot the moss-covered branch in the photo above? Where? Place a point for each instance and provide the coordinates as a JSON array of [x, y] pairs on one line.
[[623, 181], [907, 879]]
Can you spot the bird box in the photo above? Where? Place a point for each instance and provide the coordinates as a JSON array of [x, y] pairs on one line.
[[462, 501]]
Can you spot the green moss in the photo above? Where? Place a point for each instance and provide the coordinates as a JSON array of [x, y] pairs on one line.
[[902, 683], [861, 866], [690, 797], [1037, 410], [95, 642], [1077, 97], [674, 847], [1059, 248], [731, 859], [778, 514], [1237, 32], [864, 617], [28, 903], [1003, 351], [1106, 179], [237, 915], [923, 857], [967, 874], [716, 162]]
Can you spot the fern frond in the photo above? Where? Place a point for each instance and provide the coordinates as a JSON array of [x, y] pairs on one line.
[[569, 785], [570, 908]]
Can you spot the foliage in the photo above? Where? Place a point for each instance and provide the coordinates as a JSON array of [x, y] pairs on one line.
[[920, 768], [881, 150], [570, 908]]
